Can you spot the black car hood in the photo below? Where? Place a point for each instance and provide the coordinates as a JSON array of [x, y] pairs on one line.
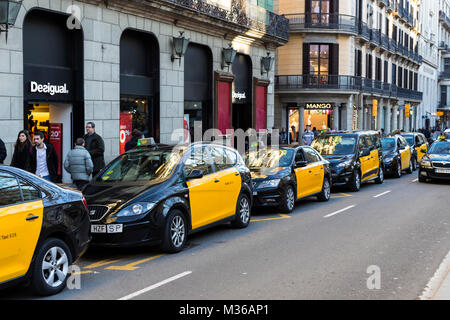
[[118, 193], [387, 153], [273, 173], [337, 159], [439, 157]]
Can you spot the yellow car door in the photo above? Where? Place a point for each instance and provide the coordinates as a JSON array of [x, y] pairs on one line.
[[303, 174], [422, 149], [203, 192], [317, 169], [228, 182], [20, 227]]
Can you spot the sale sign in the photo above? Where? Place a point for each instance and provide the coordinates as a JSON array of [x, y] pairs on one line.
[[126, 129], [55, 139]]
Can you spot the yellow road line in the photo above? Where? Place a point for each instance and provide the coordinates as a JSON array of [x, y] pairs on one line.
[[281, 217], [133, 266], [102, 263]]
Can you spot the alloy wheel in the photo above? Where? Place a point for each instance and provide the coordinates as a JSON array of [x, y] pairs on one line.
[[55, 267], [290, 198], [244, 210], [327, 189], [177, 231]]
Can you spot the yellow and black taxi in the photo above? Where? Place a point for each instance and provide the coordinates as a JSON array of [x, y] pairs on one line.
[[418, 142], [397, 156], [161, 194], [355, 157], [43, 230], [283, 175], [435, 164]]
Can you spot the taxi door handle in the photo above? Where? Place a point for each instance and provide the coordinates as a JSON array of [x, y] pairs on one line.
[[217, 181], [31, 218]]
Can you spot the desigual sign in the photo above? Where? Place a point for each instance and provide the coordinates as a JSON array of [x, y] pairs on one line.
[[239, 95], [319, 106], [48, 88]]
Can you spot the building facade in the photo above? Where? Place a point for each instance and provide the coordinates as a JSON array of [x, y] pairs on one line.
[[443, 110], [349, 64], [64, 63]]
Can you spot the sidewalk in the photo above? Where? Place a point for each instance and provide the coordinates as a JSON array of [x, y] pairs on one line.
[[439, 286]]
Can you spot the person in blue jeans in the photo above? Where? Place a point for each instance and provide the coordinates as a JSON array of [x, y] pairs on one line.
[[44, 159]]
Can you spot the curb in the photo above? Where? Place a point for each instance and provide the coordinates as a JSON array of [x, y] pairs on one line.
[[432, 290]]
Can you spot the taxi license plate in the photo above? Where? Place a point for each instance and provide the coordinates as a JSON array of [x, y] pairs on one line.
[[445, 171], [109, 229]]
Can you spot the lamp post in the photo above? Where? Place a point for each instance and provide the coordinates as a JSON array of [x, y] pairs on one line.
[[267, 64], [229, 54], [9, 10], [180, 45]]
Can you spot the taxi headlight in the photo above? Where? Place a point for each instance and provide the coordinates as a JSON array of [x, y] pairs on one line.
[[427, 164], [345, 164], [389, 159], [136, 209], [270, 183]]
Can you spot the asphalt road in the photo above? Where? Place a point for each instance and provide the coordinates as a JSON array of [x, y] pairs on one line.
[[384, 242]]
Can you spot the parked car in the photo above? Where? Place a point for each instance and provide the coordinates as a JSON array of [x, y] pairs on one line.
[[435, 164], [397, 156], [43, 230], [162, 194], [355, 157], [281, 176], [417, 142]]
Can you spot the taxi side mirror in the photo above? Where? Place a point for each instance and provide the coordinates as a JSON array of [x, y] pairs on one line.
[[423, 151], [195, 174]]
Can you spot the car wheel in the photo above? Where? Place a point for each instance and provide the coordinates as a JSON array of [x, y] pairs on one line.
[[51, 268], [422, 179], [325, 195], [243, 212], [410, 168], [380, 179], [398, 170], [175, 232], [288, 200], [355, 184], [415, 164]]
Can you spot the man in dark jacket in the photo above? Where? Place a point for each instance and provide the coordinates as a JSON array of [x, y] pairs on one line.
[[44, 159], [3, 153], [96, 147]]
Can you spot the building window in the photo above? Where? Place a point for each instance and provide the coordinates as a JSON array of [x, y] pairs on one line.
[[319, 61], [320, 11]]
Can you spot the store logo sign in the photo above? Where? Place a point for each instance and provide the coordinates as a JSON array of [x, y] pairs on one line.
[[239, 95], [48, 88], [319, 106]]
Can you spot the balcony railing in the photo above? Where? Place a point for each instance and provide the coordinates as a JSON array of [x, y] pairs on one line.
[[444, 19], [250, 16], [344, 83], [375, 36], [444, 75], [328, 21], [384, 41]]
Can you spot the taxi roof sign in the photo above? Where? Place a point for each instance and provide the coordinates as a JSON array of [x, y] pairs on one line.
[[146, 142]]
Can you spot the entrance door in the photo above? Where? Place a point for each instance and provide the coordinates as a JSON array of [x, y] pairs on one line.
[[42, 116]]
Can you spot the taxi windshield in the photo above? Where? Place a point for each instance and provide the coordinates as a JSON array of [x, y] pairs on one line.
[[440, 148], [409, 139], [335, 145], [141, 166], [388, 144], [270, 158]]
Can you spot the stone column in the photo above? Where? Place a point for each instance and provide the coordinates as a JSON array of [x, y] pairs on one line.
[[401, 125], [336, 118], [380, 124], [361, 112], [394, 118], [301, 123], [388, 116], [349, 113]]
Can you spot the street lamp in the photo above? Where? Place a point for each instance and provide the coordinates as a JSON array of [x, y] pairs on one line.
[[228, 56], [267, 64], [9, 10], [180, 45]]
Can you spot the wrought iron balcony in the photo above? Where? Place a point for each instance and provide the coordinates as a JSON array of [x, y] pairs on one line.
[[375, 36], [247, 15], [384, 41], [344, 83], [444, 75], [444, 19], [335, 22]]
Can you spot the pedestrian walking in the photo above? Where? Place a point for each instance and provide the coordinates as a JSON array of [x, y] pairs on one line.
[[79, 164], [308, 136], [44, 159], [283, 136], [96, 147], [3, 152], [22, 151]]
